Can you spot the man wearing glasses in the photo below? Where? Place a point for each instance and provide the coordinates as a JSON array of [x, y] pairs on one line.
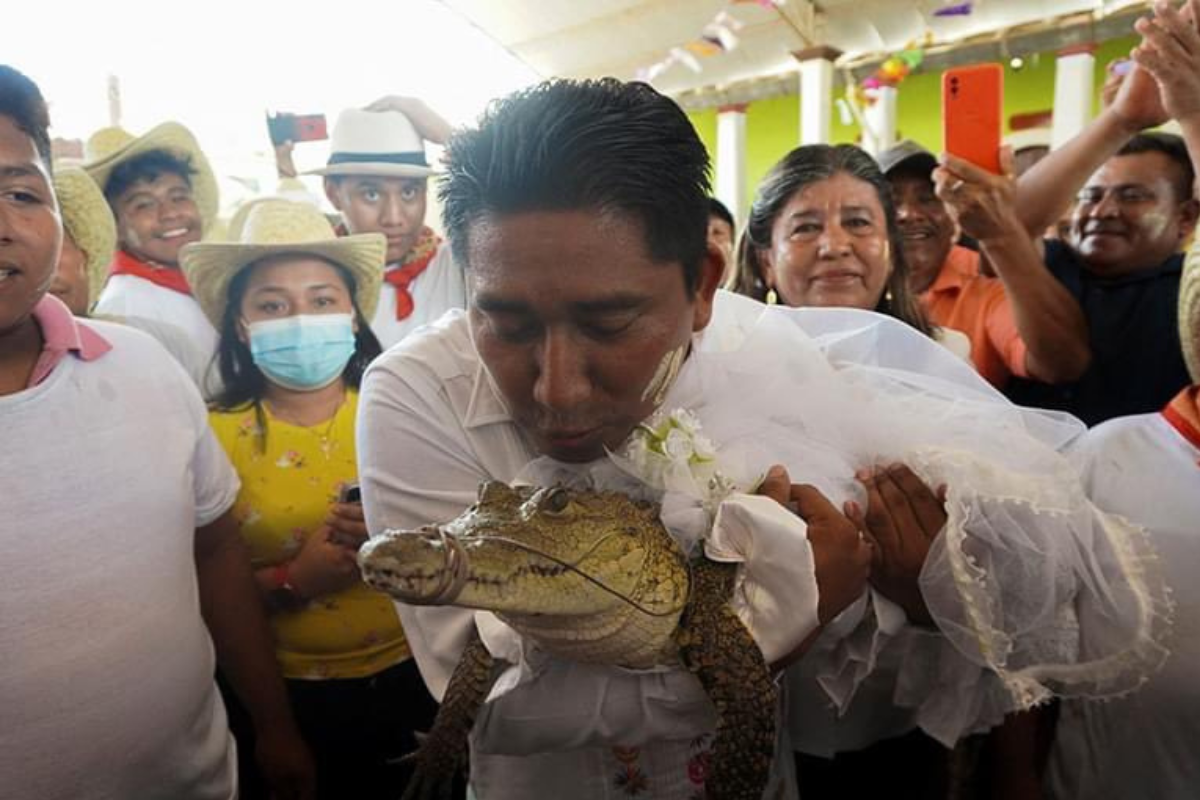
[[1134, 209]]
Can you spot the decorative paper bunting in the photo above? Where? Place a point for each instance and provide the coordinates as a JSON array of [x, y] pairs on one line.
[[687, 59], [704, 47], [721, 31], [648, 74], [891, 72], [719, 36], [957, 10]]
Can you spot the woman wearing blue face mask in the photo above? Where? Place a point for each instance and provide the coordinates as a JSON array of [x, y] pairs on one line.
[[290, 301]]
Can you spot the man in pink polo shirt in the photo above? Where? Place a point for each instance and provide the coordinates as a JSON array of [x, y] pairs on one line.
[[119, 548]]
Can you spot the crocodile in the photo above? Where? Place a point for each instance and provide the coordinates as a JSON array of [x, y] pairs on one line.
[[589, 576]]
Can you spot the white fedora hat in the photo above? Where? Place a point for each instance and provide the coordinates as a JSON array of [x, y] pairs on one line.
[[381, 143]]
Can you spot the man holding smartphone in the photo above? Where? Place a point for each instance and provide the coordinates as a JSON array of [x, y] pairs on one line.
[[1034, 329], [1134, 207], [377, 177]]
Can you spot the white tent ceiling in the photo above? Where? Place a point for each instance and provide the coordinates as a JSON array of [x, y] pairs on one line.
[[589, 38]]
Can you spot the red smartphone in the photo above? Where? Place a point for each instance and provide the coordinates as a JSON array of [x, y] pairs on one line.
[[972, 103], [296, 127]]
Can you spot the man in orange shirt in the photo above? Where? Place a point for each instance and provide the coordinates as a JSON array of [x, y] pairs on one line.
[[1035, 329]]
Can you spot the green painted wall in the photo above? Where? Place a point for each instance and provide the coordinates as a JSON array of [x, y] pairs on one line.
[[773, 126], [705, 123], [772, 129]]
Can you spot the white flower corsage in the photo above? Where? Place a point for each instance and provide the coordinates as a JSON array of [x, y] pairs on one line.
[[670, 453]]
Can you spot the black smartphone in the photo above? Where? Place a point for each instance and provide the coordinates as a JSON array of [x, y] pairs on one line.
[[351, 493]]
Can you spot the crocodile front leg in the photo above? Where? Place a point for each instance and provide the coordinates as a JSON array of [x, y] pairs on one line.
[[444, 750], [715, 645]]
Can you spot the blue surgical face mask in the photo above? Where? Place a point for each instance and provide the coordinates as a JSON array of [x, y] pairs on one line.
[[304, 352]]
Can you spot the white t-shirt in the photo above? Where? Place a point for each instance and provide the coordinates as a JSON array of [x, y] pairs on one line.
[[106, 667], [134, 298], [435, 291], [200, 367], [1146, 744]]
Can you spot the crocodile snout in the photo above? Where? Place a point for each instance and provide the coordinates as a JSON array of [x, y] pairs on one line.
[[419, 567]]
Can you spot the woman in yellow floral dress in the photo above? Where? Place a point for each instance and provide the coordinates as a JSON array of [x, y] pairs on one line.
[[290, 301]]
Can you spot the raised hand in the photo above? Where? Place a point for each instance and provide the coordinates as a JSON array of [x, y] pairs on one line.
[[1170, 53], [431, 126], [1137, 102], [981, 203]]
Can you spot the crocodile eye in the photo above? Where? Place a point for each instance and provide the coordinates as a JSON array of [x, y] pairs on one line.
[[555, 501]]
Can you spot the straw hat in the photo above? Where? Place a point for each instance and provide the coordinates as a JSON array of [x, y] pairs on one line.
[[383, 143], [111, 149], [1189, 311], [276, 227], [237, 223], [88, 220], [105, 142]]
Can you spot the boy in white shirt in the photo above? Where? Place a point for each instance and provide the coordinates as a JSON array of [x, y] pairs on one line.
[[163, 195], [119, 548], [377, 177]]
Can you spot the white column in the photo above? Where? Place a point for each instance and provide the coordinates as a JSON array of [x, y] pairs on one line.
[[816, 101], [1074, 83], [114, 101], [731, 158], [879, 132], [816, 93]]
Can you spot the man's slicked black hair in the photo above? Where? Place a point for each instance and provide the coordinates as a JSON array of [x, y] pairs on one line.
[[1175, 149], [618, 148], [147, 166], [21, 101]]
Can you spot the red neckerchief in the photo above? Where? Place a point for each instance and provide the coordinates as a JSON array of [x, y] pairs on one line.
[[402, 276], [173, 279], [1183, 412]]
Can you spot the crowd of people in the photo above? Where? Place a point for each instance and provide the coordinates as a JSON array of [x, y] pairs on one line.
[[963, 489]]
